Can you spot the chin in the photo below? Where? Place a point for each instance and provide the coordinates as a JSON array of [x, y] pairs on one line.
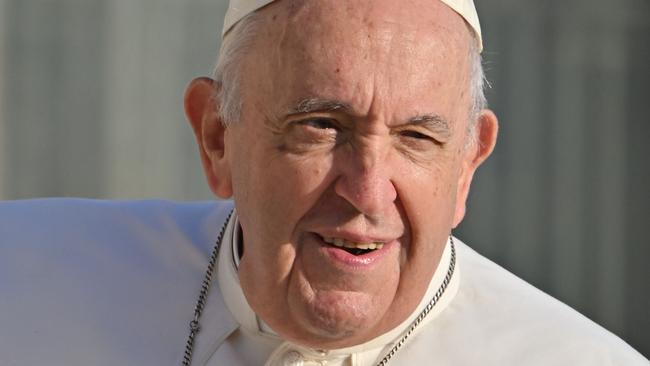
[[336, 320]]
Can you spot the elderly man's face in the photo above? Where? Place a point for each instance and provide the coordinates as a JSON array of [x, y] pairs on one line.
[[353, 131]]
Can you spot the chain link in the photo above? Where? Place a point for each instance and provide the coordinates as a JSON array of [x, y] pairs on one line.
[[427, 309], [195, 326]]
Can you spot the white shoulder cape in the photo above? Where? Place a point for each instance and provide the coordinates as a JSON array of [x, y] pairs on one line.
[[87, 282]]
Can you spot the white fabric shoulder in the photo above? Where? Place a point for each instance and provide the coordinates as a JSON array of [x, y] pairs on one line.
[[498, 319], [88, 282]]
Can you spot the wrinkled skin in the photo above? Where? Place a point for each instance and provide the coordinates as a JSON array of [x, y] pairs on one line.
[[358, 167]]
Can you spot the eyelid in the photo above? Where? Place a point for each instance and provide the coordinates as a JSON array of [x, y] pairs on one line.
[[414, 133], [423, 135], [333, 123]]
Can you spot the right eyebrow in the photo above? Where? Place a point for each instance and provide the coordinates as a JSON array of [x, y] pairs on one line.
[[313, 105]]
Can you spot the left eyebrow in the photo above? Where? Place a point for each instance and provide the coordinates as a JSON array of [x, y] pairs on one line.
[[432, 122], [313, 105]]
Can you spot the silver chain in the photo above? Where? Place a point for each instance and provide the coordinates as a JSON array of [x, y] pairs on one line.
[[427, 309], [195, 326]]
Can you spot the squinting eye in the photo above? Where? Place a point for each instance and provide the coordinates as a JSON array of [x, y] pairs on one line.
[[319, 123], [415, 135]]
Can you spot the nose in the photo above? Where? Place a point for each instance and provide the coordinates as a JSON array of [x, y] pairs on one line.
[[365, 181]]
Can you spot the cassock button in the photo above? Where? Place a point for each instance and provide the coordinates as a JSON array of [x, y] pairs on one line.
[[293, 358]]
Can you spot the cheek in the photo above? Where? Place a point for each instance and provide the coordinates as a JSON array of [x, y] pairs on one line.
[[430, 183], [274, 189], [295, 184], [428, 197]]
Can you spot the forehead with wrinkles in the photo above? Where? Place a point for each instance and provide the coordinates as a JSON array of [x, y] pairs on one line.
[[351, 49]]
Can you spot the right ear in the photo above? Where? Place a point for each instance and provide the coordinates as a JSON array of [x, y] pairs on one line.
[[202, 111]]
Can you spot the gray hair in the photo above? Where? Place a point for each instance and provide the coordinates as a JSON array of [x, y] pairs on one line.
[[239, 39], [226, 73], [477, 84]]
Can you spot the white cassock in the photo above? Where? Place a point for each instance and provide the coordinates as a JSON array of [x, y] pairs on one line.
[[86, 282]]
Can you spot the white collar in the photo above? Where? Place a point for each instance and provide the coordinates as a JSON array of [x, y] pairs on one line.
[[364, 354]]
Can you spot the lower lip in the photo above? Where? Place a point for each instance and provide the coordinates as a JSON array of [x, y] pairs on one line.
[[350, 260]]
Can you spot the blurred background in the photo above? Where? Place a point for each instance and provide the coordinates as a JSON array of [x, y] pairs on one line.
[[91, 105]]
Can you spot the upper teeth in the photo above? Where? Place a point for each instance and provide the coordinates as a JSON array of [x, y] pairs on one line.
[[350, 244]]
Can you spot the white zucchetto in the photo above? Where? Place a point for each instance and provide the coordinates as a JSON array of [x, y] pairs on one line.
[[237, 9]]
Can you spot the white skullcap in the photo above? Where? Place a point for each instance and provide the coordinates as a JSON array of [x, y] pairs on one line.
[[238, 9]]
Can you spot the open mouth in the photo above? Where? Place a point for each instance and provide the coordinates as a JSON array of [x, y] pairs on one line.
[[353, 247]]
